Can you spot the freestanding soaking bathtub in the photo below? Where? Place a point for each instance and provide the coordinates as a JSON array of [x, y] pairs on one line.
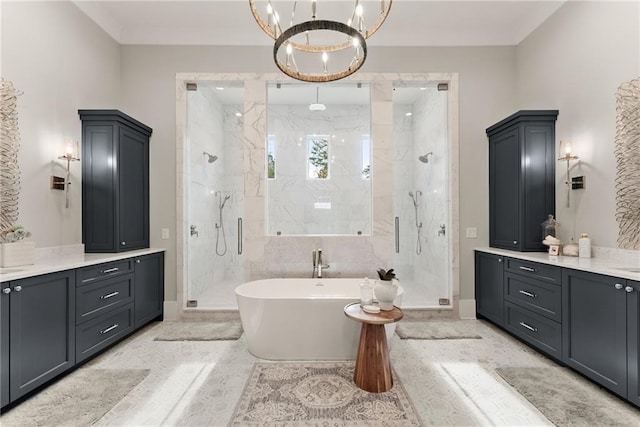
[[301, 319]]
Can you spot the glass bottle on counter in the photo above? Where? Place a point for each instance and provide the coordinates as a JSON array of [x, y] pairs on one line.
[[550, 228]]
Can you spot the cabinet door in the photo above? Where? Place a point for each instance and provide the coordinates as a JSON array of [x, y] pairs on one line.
[[149, 288], [133, 190], [504, 190], [42, 330], [594, 325], [633, 341], [538, 196], [489, 287], [98, 188], [4, 344]]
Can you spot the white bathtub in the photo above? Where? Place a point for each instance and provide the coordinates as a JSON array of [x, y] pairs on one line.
[[301, 319]]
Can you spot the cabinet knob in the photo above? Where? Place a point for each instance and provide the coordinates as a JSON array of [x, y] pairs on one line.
[[618, 286], [515, 242], [123, 243], [137, 261], [17, 288], [628, 289], [6, 291], [499, 259]]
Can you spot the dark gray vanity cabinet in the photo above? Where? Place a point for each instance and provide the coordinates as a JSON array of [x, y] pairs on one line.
[[489, 286], [149, 287], [533, 304], [595, 327], [115, 181], [4, 344], [521, 179], [40, 332], [633, 341]]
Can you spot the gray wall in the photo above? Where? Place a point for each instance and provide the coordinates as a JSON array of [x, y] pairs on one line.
[[574, 62], [62, 62]]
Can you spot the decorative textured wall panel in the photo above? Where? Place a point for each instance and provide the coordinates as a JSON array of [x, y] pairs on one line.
[[627, 154], [9, 145]]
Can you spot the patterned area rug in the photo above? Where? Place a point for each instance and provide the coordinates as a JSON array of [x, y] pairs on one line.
[[199, 331], [86, 395], [434, 330], [318, 394], [567, 399]]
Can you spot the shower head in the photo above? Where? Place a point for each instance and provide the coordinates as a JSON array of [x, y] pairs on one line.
[[210, 157], [425, 157]]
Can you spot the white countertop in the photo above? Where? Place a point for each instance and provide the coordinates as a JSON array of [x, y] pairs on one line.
[[617, 267], [67, 262]]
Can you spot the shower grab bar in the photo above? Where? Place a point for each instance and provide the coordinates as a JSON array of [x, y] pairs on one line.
[[239, 236], [397, 231]]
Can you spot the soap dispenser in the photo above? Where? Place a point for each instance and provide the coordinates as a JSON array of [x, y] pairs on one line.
[[584, 246]]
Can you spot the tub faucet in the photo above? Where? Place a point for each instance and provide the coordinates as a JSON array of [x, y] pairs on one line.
[[317, 264]]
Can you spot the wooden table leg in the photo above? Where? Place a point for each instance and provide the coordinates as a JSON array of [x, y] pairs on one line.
[[373, 366]]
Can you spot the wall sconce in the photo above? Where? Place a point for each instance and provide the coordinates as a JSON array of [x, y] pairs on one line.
[[70, 155], [566, 155]]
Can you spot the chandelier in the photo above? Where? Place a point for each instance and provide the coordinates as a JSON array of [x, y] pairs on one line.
[[319, 50]]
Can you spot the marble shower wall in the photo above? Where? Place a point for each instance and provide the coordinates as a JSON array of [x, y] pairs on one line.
[[292, 196], [212, 128]]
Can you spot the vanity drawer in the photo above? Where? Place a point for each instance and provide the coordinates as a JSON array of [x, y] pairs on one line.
[[541, 332], [548, 273], [96, 334], [98, 297], [540, 297], [101, 271]]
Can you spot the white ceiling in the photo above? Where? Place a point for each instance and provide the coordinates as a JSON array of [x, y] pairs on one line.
[[229, 22]]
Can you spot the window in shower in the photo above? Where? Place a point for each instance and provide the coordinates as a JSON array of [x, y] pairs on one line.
[[366, 157], [318, 157], [271, 157]]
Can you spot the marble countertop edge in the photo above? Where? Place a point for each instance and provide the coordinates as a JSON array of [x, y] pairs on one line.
[[54, 264], [615, 267]]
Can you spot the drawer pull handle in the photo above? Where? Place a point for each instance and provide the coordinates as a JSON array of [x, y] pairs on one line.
[[533, 270], [531, 328], [110, 270], [6, 291], [109, 329], [529, 294], [111, 295]]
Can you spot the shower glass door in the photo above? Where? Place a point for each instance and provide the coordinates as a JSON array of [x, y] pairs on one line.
[[422, 202], [214, 193]]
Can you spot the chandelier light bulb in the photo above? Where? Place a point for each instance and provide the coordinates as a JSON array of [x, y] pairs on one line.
[[269, 9], [325, 57], [356, 42], [289, 49], [359, 10]]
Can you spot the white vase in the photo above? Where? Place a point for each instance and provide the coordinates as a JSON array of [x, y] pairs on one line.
[[386, 291], [17, 253]]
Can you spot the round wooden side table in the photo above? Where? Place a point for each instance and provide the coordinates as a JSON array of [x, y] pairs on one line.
[[373, 365]]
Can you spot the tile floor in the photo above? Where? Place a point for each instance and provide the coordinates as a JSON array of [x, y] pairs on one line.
[[451, 382]]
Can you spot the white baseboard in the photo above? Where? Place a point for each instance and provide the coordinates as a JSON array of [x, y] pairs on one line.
[[170, 311], [467, 308]]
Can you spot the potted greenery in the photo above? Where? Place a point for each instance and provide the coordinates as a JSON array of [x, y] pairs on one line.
[[386, 289]]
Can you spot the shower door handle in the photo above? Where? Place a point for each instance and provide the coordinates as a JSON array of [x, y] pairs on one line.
[[239, 236], [397, 232]]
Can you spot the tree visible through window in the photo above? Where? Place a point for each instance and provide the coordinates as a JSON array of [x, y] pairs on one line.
[[318, 156], [271, 157]]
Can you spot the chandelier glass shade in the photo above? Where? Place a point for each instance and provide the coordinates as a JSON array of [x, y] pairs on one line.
[[319, 50]]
